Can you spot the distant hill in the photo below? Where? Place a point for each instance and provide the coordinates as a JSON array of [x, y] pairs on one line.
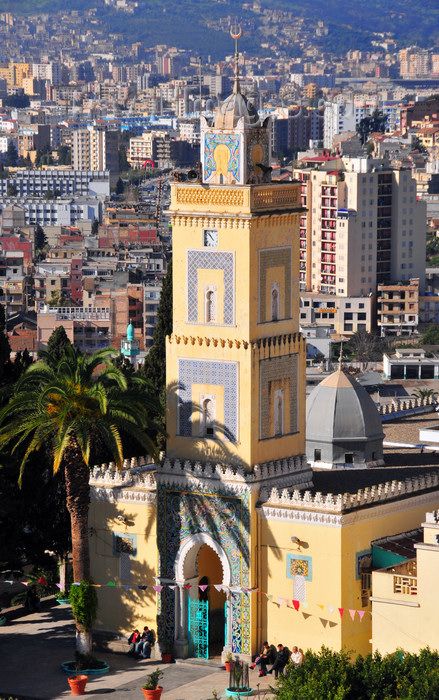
[[182, 22]]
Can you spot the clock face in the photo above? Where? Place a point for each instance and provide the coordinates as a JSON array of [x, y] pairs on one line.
[[210, 238]]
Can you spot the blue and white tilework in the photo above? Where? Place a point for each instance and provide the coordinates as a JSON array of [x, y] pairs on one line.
[[223, 374], [210, 260]]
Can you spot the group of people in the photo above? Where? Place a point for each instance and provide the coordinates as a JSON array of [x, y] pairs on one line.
[[277, 657], [141, 643]]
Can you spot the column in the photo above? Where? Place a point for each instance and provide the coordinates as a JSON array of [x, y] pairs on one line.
[[181, 641]]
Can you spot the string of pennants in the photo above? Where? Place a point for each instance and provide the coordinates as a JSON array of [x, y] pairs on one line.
[[298, 606]]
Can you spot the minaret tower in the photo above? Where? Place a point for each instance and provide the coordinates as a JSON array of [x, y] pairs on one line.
[[235, 360], [235, 365]]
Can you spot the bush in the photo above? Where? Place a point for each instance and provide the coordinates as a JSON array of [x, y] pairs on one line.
[[333, 676], [84, 602]]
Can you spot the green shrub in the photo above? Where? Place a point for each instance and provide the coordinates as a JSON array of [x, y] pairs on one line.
[[333, 676], [84, 602]]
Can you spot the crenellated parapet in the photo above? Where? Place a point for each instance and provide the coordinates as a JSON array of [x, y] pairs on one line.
[[346, 502]]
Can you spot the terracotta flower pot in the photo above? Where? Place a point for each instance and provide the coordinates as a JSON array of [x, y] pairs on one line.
[[166, 658], [152, 694], [77, 684], [228, 665]]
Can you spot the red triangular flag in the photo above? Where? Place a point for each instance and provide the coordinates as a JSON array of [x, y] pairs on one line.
[[187, 586], [296, 604], [341, 611]]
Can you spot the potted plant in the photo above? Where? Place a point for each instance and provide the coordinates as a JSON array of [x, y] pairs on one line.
[[77, 684], [87, 664], [152, 690], [229, 662], [63, 598]]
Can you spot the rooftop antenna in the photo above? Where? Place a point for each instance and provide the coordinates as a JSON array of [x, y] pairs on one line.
[[236, 34]]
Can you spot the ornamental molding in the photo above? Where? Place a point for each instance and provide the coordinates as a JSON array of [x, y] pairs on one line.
[[189, 549], [113, 495], [218, 221], [301, 516]]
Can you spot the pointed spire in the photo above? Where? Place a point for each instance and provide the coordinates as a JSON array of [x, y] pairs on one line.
[[236, 34]]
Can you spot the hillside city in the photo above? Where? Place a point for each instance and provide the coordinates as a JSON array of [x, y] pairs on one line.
[[219, 281]]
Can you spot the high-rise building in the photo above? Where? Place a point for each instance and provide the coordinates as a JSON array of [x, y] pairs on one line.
[[340, 117], [95, 148], [363, 226], [414, 62]]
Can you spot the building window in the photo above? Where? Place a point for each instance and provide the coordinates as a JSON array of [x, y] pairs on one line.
[[210, 305], [317, 455], [349, 458], [279, 412], [208, 416], [275, 302]]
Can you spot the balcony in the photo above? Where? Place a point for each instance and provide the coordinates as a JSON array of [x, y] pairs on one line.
[[396, 583]]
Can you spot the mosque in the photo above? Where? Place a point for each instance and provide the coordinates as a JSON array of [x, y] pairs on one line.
[[260, 521]]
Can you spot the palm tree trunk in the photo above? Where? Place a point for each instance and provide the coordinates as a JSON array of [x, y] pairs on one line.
[[77, 476]]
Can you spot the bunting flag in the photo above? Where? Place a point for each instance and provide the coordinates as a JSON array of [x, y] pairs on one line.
[[42, 581], [58, 585], [295, 604]]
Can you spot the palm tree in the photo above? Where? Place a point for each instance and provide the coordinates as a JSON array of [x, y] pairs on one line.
[[66, 409], [425, 394]]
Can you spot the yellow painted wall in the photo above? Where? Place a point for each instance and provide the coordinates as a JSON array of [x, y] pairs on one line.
[[122, 610], [406, 621]]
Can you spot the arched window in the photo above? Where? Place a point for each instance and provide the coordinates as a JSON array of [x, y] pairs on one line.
[[275, 302], [208, 417], [279, 412], [210, 305]]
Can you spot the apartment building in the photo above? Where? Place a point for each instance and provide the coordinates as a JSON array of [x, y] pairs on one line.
[[163, 149], [414, 63], [398, 308], [96, 148], [343, 315], [89, 329], [37, 183], [363, 226], [55, 212], [340, 117]]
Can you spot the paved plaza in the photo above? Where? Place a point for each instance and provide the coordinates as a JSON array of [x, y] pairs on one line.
[[33, 647]]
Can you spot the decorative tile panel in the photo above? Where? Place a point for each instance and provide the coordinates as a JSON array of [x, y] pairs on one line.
[[299, 565], [124, 543], [268, 258], [184, 512], [274, 369], [210, 260], [363, 562], [223, 374]]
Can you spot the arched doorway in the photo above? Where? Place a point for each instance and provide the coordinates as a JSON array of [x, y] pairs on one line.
[[210, 573], [203, 617]]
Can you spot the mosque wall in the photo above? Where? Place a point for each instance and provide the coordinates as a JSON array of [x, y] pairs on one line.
[[123, 548]]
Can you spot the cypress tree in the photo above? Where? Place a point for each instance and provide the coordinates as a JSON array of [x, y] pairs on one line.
[[56, 347]]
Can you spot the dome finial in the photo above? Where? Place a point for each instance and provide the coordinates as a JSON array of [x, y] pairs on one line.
[[340, 359], [236, 34]]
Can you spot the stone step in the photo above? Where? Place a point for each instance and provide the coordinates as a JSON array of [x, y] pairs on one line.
[[206, 663]]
